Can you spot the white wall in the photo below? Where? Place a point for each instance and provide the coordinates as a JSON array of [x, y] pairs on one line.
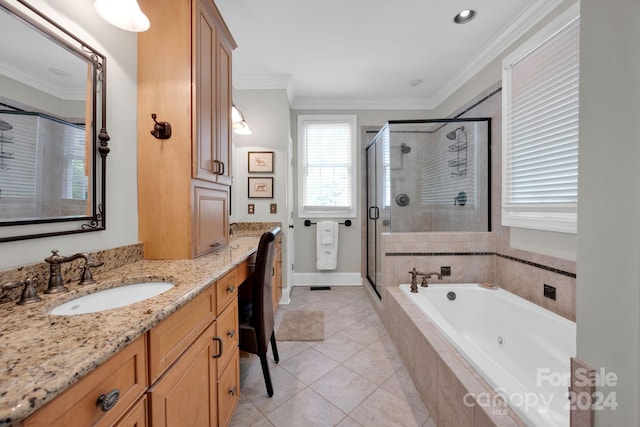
[[608, 288], [122, 216]]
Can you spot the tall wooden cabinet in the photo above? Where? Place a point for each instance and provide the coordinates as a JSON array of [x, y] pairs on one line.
[[184, 77]]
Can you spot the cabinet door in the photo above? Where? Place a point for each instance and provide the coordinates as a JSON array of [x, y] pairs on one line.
[[204, 166], [224, 102], [213, 98], [187, 394], [211, 219]]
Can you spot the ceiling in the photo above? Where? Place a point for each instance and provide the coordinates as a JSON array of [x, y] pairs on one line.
[[370, 54]]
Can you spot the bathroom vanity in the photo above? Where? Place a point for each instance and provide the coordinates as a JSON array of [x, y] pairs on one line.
[[157, 362]]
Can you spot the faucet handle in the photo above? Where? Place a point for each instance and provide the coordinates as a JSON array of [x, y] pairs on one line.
[[29, 294], [87, 276]]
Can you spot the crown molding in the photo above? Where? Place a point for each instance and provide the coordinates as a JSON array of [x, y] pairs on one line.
[[527, 19]]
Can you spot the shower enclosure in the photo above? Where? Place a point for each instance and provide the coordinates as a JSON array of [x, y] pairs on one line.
[[426, 176]]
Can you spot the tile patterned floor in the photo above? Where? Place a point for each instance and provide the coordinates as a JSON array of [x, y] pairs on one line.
[[352, 378]]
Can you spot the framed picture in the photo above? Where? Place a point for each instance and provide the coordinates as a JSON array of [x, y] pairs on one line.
[[260, 188], [261, 161]]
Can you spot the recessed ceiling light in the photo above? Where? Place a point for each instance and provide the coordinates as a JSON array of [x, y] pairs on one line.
[[464, 16]]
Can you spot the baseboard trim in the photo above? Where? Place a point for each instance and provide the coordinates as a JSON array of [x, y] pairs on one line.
[[327, 279]]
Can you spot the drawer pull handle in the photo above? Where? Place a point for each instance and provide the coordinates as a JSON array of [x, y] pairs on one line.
[[231, 333], [231, 288], [109, 400], [219, 340], [233, 391]]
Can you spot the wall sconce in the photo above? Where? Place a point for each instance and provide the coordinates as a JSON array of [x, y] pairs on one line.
[[239, 125], [124, 14]]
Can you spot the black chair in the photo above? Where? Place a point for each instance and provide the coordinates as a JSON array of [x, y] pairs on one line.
[[255, 307]]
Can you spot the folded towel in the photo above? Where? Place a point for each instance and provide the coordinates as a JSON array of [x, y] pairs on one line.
[[327, 253], [325, 228]]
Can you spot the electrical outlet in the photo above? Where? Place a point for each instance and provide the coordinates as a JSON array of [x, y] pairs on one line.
[[550, 292], [251, 209], [273, 208], [445, 271]]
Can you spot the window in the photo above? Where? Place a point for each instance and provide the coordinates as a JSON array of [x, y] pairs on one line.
[[327, 165], [540, 129]]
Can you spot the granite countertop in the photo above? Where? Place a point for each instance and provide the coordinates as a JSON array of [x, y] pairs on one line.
[[43, 354]]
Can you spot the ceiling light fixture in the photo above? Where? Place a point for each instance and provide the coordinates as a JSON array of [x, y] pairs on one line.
[[124, 14], [464, 16]]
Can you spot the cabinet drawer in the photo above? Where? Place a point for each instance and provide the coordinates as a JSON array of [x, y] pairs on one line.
[[229, 390], [228, 332], [171, 337], [227, 290], [244, 270], [137, 416], [125, 372]]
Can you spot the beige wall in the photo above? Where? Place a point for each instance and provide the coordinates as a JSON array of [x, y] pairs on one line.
[[608, 291]]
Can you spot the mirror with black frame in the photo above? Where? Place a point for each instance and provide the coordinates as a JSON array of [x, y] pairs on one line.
[[53, 138]]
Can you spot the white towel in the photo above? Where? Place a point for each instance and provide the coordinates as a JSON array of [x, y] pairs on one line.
[[327, 245]]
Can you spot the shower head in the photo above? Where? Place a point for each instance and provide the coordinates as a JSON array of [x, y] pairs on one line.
[[405, 148], [452, 135]]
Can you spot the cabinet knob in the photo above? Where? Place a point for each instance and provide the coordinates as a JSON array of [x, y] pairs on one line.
[[109, 400], [232, 391], [231, 288], [231, 333]]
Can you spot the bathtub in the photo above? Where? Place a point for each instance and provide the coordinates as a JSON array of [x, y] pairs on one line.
[[522, 350]]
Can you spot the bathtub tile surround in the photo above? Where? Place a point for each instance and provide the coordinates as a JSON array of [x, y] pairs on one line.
[[71, 271], [476, 257], [441, 375]]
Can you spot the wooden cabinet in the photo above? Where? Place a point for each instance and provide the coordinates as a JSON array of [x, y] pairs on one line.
[[184, 77], [276, 280], [187, 394], [213, 110], [137, 416], [124, 374], [194, 357], [211, 224], [188, 365]]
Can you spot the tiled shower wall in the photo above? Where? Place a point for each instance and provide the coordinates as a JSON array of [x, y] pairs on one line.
[[483, 257]]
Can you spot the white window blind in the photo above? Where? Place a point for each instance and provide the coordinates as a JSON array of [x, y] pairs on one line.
[[540, 129], [327, 166]]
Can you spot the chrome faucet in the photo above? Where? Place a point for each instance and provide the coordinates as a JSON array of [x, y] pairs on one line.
[[55, 261], [414, 279]]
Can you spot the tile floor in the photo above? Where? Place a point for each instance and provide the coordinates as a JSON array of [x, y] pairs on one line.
[[353, 378]]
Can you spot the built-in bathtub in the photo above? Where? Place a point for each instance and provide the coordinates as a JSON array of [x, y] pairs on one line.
[[522, 350]]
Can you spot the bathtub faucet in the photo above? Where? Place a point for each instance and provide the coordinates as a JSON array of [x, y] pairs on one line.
[[414, 279]]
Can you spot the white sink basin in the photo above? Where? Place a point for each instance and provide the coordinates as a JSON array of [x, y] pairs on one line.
[[112, 298]]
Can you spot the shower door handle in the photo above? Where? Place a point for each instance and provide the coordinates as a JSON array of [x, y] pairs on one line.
[[376, 211]]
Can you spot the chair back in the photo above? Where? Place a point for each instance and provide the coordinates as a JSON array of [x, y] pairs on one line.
[[262, 319]]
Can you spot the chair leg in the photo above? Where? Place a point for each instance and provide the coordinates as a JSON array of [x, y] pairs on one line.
[[265, 373], [274, 348]]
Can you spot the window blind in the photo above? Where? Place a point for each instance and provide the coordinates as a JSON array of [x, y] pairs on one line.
[[540, 153], [327, 165]]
